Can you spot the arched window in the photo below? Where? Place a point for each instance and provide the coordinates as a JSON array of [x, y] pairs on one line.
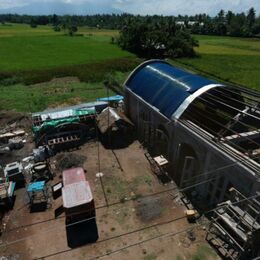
[[162, 141], [187, 164]]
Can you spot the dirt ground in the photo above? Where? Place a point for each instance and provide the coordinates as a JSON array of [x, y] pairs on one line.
[[137, 216]]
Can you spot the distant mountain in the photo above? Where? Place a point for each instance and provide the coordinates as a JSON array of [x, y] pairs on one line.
[[62, 9]]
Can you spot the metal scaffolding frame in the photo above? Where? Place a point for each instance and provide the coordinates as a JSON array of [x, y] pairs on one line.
[[234, 230], [232, 116]]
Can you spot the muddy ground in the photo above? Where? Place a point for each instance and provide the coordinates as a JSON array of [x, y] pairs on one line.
[[137, 216]]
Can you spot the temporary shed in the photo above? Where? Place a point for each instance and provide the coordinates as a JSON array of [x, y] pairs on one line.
[[114, 127], [66, 127]]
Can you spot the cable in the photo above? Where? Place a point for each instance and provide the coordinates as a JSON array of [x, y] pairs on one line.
[[147, 240], [223, 90], [143, 241], [196, 109], [226, 115], [191, 117], [209, 94], [229, 129], [191, 186], [210, 172], [184, 189], [99, 164]]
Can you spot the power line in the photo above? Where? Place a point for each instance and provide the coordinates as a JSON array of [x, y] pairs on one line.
[[218, 123], [120, 235], [186, 188], [144, 241], [166, 234], [156, 237], [181, 190], [99, 164]]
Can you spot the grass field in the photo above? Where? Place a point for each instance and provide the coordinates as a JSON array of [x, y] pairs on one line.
[[29, 56], [236, 60], [9, 30], [58, 92], [23, 48], [30, 99]]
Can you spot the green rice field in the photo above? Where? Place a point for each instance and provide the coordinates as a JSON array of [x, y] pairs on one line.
[[235, 60], [31, 56], [24, 48]]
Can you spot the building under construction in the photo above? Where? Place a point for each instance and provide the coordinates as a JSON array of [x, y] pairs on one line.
[[206, 130], [209, 132]]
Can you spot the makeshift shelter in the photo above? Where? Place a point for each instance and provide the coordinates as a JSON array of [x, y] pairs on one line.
[[67, 127], [115, 128]]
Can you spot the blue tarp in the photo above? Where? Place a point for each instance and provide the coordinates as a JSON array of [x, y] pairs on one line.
[[112, 98], [164, 86], [36, 186]]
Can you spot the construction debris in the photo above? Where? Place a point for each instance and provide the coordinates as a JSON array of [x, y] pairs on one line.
[[41, 172], [7, 194], [65, 128], [42, 153], [38, 195], [69, 160], [191, 215], [14, 172], [13, 134]]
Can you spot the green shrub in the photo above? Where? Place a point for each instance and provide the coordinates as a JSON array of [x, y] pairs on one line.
[[85, 72], [10, 81]]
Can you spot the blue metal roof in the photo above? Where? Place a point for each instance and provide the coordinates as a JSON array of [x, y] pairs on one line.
[[164, 86]]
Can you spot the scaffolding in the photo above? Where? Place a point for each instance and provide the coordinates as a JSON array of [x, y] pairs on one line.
[[231, 118], [234, 230]]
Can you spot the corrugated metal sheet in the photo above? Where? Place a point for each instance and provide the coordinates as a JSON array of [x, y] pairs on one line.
[[164, 86], [108, 117], [68, 111]]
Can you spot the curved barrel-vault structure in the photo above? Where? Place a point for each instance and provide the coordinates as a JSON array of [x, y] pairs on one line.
[[167, 88], [200, 126]]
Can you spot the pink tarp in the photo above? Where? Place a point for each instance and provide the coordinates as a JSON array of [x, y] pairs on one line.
[[74, 175]]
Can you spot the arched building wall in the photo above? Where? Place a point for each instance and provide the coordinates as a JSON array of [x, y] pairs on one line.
[[156, 95]]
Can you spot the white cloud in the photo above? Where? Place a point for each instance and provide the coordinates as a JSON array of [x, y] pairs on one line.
[[5, 4], [185, 7], [167, 7]]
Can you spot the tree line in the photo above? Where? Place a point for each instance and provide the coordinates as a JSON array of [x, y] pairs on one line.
[[226, 24], [245, 24], [158, 38], [153, 36]]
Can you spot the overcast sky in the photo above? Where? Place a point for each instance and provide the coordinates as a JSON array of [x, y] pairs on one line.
[[166, 7]]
